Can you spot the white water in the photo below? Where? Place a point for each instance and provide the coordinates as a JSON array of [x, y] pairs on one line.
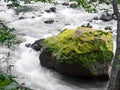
[[26, 61]]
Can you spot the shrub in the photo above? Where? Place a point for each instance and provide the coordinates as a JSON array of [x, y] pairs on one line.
[[6, 35]]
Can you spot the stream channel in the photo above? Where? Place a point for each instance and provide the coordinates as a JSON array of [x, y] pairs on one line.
[[29, 22]]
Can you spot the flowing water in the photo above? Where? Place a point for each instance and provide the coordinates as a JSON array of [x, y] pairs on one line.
[[26, 62]]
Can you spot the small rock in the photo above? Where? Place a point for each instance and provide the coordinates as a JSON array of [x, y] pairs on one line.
[[27, 44], [48, 11], [90, 27], [96, 18], [83, 26], [106, 17], [33, 17], [37, 45], [9, 6], [49, 21], [90, 20], [53, 9], [39, 15], [73, 5], [65, 4], [21, 18], [87, 25]]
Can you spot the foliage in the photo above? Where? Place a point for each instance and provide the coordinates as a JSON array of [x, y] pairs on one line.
[[6, 36], [16, 3], [8, 83], [81, 45], [88, 6], [49, 1]]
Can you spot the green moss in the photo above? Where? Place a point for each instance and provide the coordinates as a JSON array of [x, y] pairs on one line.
[[81, 45]]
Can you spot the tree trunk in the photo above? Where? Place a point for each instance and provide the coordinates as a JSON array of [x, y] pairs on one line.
[[114, 83]]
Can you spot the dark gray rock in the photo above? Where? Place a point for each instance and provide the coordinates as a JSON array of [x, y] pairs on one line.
[[33, 17], [49, 21], [9, 6], [37, 45], [96, 18], [28, 44], [65, 4], [48, 11], [106, 17], [87, 25], [21, 17], [73, 5], [53, 9]]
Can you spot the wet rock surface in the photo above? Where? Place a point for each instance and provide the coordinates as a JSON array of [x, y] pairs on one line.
[[49, 21], [28, 44], [53, 9], [106, 17], [37, 45]]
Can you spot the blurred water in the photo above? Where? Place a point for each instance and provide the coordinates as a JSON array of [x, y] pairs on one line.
[[26, 61]]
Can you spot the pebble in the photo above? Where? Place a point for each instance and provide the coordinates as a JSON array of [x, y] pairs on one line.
[[49, 21]]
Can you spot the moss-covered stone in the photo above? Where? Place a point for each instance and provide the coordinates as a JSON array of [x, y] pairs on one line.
[[82, 46]]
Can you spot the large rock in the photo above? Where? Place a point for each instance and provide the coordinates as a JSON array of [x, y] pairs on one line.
[[82, 52]]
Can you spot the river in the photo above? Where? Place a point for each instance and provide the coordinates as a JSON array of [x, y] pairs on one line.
[[31, 27]]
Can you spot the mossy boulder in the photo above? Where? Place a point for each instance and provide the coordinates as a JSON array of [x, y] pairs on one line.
[[81, 52]]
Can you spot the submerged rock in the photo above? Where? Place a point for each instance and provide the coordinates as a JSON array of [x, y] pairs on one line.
[[87, 25], [73, 5], [28, 44], [10, 6], [82, 52], [53, 9], [21, 18], [49, 21], [65, 3], [106, 17], [96, 18], [48, 11]]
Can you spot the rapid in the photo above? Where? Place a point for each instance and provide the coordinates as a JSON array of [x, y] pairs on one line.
[[32, 26]]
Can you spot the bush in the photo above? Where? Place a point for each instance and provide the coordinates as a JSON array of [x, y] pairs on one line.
[[6, 36], [8, 83]]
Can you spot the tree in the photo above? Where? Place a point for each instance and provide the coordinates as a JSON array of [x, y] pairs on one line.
[[115, 73]]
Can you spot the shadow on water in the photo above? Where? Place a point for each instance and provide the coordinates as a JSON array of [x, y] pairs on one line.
[[83, 84]]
